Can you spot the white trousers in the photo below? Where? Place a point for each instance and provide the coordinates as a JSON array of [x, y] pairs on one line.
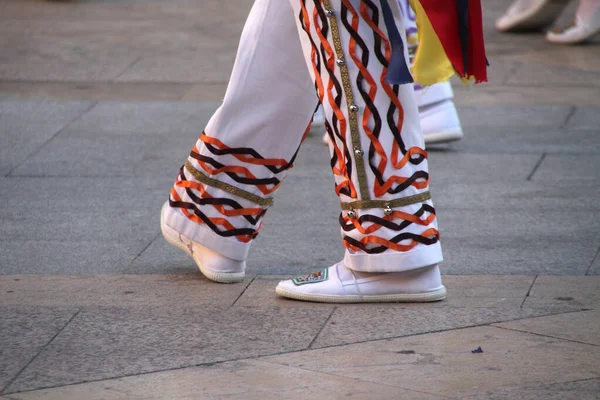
[[291, 56]]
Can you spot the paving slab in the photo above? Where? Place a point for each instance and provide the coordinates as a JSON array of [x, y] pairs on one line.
[[125, 118], [60, 257], [595, 266], [493, 93], [493, 139], [249, 379], [521, 196], [103, 343], [190, 67], [587, 389], [580, 291], [450, 167], [360, 324], [97, 91], [443, 364], [24, 331], [577, 326], [513, 116], [164, 291], [556, 167], [585, 118], [565, 242]]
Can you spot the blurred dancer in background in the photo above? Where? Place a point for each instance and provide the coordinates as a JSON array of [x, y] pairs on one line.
[[532, 15]]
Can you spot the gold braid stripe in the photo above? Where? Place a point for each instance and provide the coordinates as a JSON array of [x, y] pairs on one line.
[[404, 201], [357, 150], [227, 187]]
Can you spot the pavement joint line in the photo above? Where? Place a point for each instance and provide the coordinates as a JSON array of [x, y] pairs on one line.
[[243, 291], [10, 382], [546, 336], [535, 168], [529, 291], [279, 353], [40, 147], [145, 248], [569, 117], [587, 273], [356, 379], [322, 327], [129, 66]]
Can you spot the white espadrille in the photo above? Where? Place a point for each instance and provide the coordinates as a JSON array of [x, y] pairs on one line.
[[228, 271], [527, 15], [338, 284]]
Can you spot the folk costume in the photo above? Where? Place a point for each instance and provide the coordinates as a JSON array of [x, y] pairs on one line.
[[353, 55]]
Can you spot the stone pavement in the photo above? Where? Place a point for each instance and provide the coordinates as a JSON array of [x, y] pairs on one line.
[[100, 101]]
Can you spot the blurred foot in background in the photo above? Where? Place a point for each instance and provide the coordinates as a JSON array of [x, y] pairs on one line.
[[536, 15]]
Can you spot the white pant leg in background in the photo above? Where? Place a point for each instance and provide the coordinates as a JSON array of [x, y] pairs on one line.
[[379, 163]]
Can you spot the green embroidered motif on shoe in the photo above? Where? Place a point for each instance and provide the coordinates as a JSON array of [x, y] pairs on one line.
[[313, 277]]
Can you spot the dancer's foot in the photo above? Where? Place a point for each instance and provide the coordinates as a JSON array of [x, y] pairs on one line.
[[585, 26], [214, 266], [437, 113], [338, 284], [530, 15]]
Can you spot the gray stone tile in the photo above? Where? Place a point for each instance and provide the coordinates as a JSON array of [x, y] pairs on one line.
[[532, 74], [82, 154], [250, 379], [513, 116], [522, 196], [26, 125], [586, 118], [450, 167], [190, 67], [522, 242], [60, 257], [580, 327], [104, 343], [124, 118], [587, 389], [164, 291], [24, 331], [22, 112], [442, 363], [390, 321], [19, 141], [556, 167], [594, 268], [536, 139], [580, 291]]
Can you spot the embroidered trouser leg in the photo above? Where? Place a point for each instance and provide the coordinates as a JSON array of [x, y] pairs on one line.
[[377, 156]]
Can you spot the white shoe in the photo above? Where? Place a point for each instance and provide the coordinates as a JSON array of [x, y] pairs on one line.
[[530, 15], [214, 266], [437, 112], [440, 123], [338, 284], [586, 26]]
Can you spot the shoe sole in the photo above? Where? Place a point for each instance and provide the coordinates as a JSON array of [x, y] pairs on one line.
[[538, 18], [435, 295], [443, 137], [582, 39], [221, 277]]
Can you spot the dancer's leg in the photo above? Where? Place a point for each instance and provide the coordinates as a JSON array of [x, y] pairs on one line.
[[226, 185], [388, 221]]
